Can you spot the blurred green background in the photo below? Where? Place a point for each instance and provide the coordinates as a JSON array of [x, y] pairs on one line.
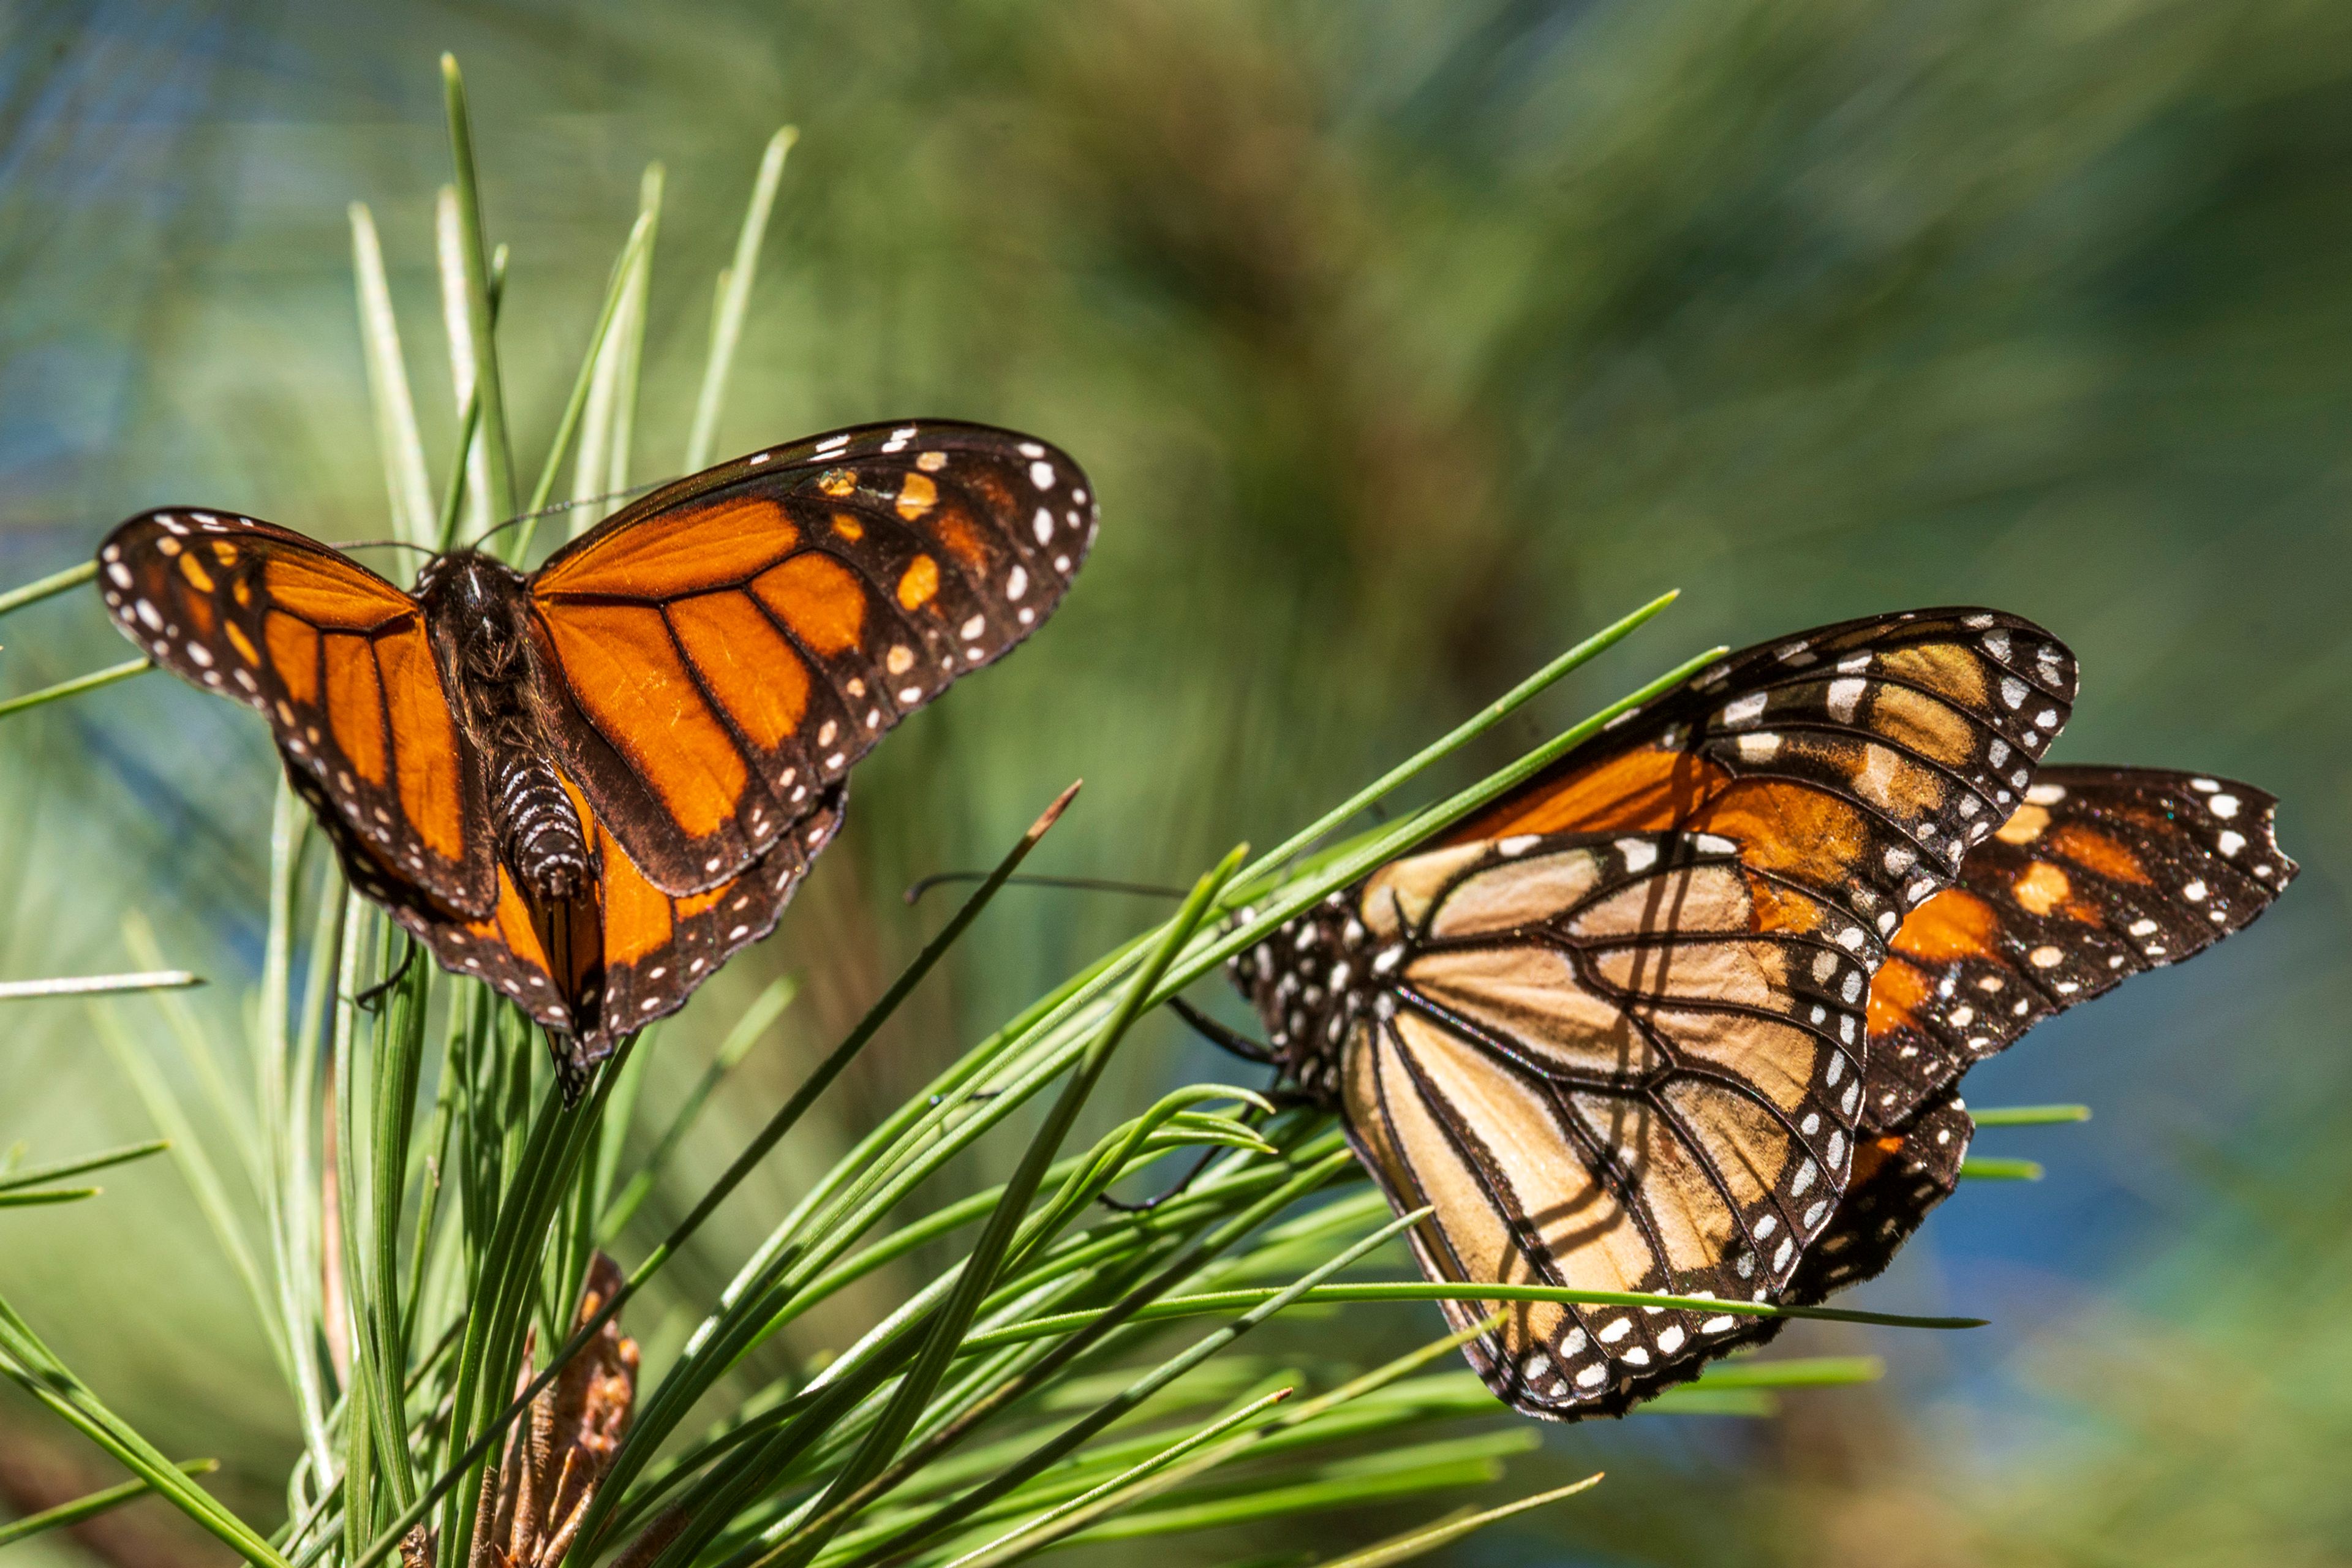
[[1404, 344]]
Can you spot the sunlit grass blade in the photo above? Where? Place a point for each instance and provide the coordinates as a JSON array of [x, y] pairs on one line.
[[1747, 1403], [83, 1164], [47, 587], [734, 298], [406, 488], [16, 1200], [764, 1012], [66, 1515], [474, 255], [1429, 1538], [954, 1319], [615, 289], [1988, 1168], [1429, 1290], [1792, 1372], [2028, 1115], [77, 686], [30, 1363], [97, 984]]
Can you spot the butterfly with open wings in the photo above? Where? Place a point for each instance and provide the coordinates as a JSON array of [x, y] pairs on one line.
[[590, 785], [1685, 1013]]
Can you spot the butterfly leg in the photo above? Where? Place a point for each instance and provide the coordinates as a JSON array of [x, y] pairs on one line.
[[371, 999], [1145, 1206], [1217, 1034]]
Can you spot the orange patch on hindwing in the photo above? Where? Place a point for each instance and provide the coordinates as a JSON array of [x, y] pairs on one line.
[[1788, 829], [636, 914], [1896, 993], [1780, 908]]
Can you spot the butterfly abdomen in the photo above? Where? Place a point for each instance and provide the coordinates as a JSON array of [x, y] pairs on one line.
[[538, 830], [477, 608]]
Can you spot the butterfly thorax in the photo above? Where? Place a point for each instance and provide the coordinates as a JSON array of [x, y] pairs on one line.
[[1309, 982], [477, 608]]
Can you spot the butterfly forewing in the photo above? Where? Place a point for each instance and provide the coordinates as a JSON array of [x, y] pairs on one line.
[[2099, 874], [1862, 759], [338, 660], [731, 645]]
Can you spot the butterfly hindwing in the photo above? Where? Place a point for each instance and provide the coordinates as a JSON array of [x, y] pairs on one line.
[[338, 661], [1899, 1177], [640, 957], [2100, 874], [730, 645], [1607, 1067]]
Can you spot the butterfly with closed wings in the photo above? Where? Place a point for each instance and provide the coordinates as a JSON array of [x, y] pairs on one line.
[[1685, 1013], [591, 785]]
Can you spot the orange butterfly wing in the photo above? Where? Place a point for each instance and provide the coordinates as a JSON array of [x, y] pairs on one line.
[[644, 955], [1865, 758], [337, 660], [2101, 874], [730, 645]]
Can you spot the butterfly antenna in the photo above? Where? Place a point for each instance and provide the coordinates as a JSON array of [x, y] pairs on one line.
[[567, 505], [1121, 1206], [1281, 1098], [1217, 1034], [371, 999], [385, 545], [1083, 884]]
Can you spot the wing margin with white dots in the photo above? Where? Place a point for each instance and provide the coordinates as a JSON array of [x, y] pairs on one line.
[[1866, 756], [2101, 873], [338, 661]]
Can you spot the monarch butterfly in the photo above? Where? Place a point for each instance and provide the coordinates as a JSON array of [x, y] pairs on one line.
[[1684, 1014], [590, 785]]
